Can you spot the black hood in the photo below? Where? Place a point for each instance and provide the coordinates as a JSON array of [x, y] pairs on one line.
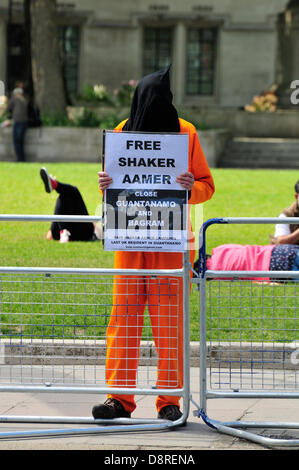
[[152, 109]]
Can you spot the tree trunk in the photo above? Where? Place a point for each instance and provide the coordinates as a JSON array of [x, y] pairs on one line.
[[46, 67]]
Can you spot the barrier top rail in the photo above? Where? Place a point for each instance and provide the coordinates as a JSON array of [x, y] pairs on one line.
[[91, 271], [46, 218], [250, 220], [89, 218]]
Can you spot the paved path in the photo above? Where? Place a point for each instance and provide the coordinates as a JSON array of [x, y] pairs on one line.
[[193, 437]]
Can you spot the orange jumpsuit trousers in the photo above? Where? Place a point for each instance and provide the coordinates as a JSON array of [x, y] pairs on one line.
[[161, 295]]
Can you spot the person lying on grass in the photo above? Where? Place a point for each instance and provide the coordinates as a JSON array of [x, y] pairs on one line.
[[234, 257], [69, 202]]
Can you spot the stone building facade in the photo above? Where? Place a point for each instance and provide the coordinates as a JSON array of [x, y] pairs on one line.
[[223, 52]]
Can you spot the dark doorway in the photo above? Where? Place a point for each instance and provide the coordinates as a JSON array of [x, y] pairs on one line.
[[17, 56]]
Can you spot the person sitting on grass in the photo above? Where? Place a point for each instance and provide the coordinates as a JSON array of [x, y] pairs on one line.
[[69, 202], [288, 233]]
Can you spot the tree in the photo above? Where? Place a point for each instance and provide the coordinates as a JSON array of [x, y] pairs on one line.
[[47, 74]]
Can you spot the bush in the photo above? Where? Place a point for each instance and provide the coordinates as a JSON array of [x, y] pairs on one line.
[[96, 94], [93, 95], [110, 121], [88, 119], [56, 119], [124, 94], [200, 123], [267, 102], [3, 117]]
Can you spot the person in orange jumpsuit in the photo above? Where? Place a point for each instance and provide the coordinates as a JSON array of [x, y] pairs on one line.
[[152, 111]]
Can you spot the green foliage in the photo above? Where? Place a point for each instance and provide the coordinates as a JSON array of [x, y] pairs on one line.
[[110, 121], [88, 119], [88, 94], [124, 95], [3, 117], [95, 94], [200, 123], [56, 119]]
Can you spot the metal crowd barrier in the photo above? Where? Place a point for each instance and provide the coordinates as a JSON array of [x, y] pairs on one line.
[[248, 334], [53, 324]]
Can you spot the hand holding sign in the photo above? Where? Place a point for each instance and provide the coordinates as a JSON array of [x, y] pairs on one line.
[[104, 180], [186, 180]]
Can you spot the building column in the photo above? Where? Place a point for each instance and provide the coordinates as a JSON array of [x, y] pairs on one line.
[[179, 63]]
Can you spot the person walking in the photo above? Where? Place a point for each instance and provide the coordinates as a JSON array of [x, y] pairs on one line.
[[17, 109]]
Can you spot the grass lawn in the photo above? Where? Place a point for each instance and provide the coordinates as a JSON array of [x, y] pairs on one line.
[[239, 193]]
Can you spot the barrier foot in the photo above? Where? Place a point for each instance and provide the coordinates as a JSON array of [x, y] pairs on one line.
[[230, 428], [98, 426]]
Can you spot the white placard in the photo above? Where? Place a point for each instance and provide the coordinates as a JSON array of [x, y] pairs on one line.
[[145, 209]]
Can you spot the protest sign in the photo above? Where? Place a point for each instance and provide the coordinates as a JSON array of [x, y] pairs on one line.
[[145, 209]]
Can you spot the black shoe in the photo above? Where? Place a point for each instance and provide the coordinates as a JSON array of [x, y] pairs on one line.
[[109, 410], [170, 412], [46, 179]]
